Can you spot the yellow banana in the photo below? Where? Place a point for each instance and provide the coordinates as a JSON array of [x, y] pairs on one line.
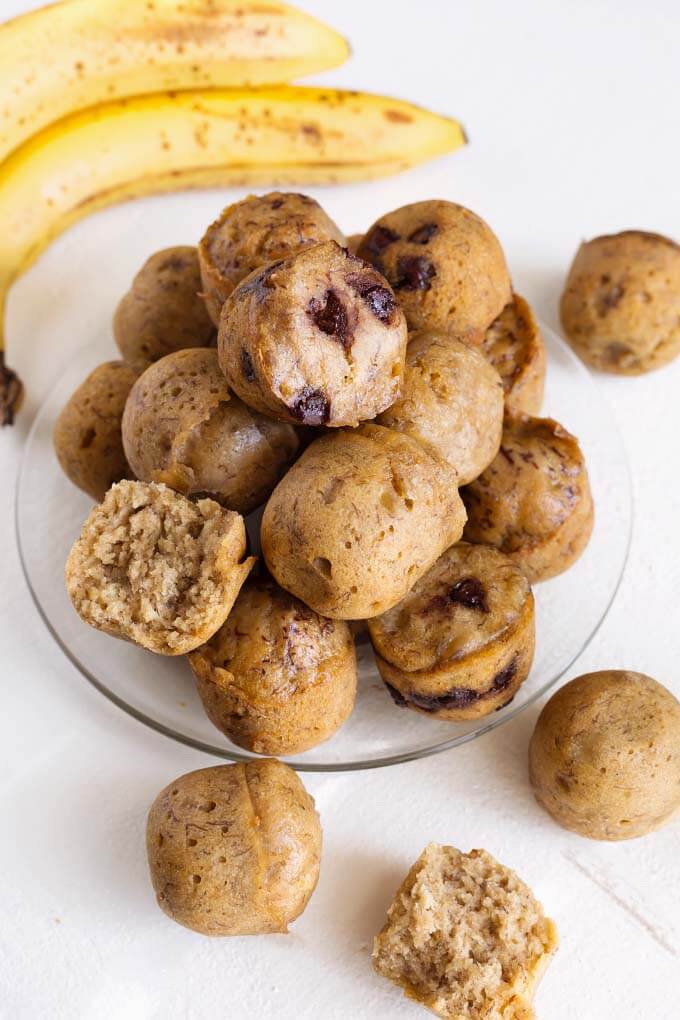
[[171, 141], [78, 53]]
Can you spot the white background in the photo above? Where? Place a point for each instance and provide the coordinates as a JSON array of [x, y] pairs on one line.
[[572, 112]]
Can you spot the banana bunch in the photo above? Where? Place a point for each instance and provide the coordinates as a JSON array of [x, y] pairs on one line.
[[107, 100]]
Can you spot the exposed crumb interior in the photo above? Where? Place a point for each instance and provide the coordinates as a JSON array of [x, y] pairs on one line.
[[465, 937]]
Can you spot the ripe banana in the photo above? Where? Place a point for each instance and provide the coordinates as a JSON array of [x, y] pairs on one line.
[[171, 141], [79, 53]]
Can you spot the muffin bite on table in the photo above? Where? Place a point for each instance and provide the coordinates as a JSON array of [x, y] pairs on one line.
[[257, 230], [445, 265], [315, 339], [184, 427], [451, 401], [620, 307], [234, 849], [533, 502], [87, 434], [358, 519], [154, 568], [461, 642], [163, 311], [514, 346], [276, 678]]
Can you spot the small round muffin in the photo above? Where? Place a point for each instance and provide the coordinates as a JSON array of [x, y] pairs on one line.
[[163, 311], [621, 303], [465, 937], [514, 346], [451, 400], [353, 242], [234, 849], [157, 569], [445, 264], [183, 427], [604, 758], [461, 642], [87, 434], [358, 519], [317, 339], [533, 501], [276, 678], [254, 231]]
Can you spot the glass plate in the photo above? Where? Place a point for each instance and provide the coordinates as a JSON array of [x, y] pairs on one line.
[[159, 691]]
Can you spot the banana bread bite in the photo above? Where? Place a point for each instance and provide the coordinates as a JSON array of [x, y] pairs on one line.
[[87, 434], [461, 642], [163, 311], [358, 519], [276, 678], [533, 501], [445, 265], [465, 937], [317, 339], [182, 426], [157, 569], [621, 303], [254, 231], [234, 849], [604, 758], [451, 400], [514, 346]]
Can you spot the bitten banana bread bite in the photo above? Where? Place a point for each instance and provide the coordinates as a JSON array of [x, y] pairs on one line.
[[257, 230], [317, 339], [87, 434], [234, 849], [358, 519], [533, 501], [157, 569], [465, 937], [451, 400], [445, 265], [182, 426], [604, 758], [276, 678], [514, 346], [461, 642], [163, 311], [621, 303]]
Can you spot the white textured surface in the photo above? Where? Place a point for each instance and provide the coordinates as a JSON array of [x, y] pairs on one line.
[[571, 113]]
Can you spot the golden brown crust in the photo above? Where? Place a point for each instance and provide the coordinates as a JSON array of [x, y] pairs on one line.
[[451, 400], [445, 264], [353, 242], [87, 433], [620, 307], [276, 678], [234, 849], [533, 502], [154, 568], [163, 311], [461, 642], [182, 426], [604, 758], [514, 346], [254, 231], [317, 339], [358, 519]]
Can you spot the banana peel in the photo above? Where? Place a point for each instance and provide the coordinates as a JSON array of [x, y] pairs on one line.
[[171, 141]]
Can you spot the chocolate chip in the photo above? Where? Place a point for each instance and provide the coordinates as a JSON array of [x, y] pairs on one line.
[[379, 299], [457, 697], [330, 316], [260, 281], [421, 235], [469, 592], [247, 367], [414, 272], [311, 407], [502, 679], [378, 239], [277, 203], [397, 697], [611, 299]]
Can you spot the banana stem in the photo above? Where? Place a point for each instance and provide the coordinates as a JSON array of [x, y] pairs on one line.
[[11, 392]]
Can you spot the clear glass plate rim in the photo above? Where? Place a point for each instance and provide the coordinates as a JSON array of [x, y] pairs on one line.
[[320, 767]]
